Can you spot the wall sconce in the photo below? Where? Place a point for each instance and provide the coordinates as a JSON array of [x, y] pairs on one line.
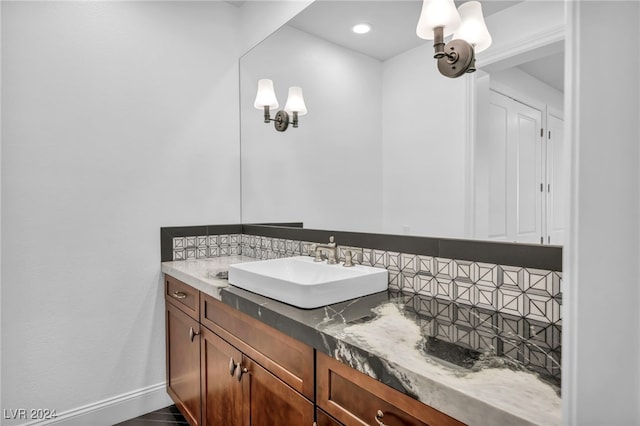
[[440, 19], [266, 99]]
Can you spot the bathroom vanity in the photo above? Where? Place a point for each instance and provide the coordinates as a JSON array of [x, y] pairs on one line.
[[235, 357]]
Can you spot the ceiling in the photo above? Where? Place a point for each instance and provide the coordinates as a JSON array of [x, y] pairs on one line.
[[394, 30]]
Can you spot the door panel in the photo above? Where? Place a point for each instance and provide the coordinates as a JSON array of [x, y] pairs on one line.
[[183, 363], [272, 401], [558, 185], [515, 168], [222, 396]]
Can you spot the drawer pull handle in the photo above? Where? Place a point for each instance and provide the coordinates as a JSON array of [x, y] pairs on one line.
[[192, 333], [232, 366], [379, 416], [179, 295], [240, 371]]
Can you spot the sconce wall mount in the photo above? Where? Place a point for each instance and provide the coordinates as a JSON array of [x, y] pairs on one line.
[[266, 99], [440, 19]]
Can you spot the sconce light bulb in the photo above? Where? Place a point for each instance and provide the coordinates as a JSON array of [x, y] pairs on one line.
[[437, 13], [295, 101], [265, 96], [472, 28]]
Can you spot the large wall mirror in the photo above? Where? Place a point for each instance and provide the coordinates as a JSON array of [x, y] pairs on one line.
[[391, 146]]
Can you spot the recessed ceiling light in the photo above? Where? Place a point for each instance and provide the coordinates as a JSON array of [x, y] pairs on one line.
[[362, 28]]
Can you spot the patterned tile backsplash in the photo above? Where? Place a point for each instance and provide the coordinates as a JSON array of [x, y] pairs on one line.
[[512, 311], [531, 293]]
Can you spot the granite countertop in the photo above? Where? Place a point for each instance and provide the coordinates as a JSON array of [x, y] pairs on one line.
[[387, 337]]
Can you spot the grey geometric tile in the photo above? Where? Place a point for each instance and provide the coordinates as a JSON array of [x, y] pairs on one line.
[[511, 277], [393, 259], [464, 292], [487, 274], [214, 251], [234, 239], [538, 281], [234, 250], [409, 263], [510, 301], [202, 252], [190, 253], [407, 283], [444, 289], [266, 243], [424, 284], [178, 242], [202, 241], [541, 308], [212, 240], [223, 239], [224, 251], [190, 242], [367, 257], [178, 254], [486, 296], [465, 270], [425, 265], [443, 268]]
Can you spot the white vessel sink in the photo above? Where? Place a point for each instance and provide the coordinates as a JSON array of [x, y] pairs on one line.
[[301, 282]]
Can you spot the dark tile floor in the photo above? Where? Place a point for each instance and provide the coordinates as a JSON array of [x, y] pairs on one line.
[[162, 417]]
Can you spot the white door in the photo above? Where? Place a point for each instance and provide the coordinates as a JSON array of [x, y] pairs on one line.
[[556, 179], [515, 168]]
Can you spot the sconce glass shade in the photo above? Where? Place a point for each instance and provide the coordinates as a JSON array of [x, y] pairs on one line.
[[295, 101], [473, 28], [266, 96], [437, 13]]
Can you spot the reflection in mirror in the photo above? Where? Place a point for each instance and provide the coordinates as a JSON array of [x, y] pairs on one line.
[[389, 145]]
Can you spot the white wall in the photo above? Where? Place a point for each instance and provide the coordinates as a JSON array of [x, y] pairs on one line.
[[326, 172], [601, 346], [424, 128], [118, 118]]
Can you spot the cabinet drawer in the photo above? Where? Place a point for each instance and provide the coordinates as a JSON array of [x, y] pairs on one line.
[[288, 359], [354, 398], [183, 296]]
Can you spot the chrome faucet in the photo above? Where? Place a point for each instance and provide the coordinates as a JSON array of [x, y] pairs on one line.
[[331, 250], [349, 256]]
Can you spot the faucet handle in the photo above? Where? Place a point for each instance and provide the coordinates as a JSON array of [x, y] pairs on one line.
[[348, 256], [332, 241]]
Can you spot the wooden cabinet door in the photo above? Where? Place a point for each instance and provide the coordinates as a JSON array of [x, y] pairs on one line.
[[222, 392], [271, 401], [183, 363]]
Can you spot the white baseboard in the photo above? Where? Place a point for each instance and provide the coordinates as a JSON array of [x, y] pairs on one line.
[[113, 410]]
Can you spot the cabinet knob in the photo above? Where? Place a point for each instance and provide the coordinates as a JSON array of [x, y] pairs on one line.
[[193, 333], [179, 295], [378, 418], [240, 371]]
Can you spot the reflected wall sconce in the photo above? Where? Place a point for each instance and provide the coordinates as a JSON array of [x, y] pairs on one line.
[[439, 19], [266, 100]]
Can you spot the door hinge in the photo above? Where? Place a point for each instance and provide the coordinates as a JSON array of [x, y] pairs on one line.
[[549, 239], [549, 134], [541, 187], [541, 132], [541, 240], [548, 187]]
